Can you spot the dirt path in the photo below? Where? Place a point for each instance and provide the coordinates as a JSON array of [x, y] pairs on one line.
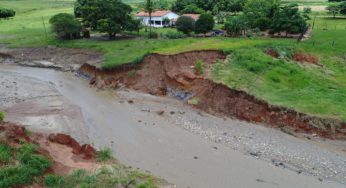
[[186, 147]]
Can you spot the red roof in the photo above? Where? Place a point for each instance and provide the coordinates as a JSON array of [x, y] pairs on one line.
[[158, 13], [193, 16]]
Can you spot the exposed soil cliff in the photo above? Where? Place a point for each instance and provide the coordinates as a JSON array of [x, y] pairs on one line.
[[175, 75]]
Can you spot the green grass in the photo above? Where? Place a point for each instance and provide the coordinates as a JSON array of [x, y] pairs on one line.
[[2, 116], [283, 82], [111, 176], [104, 155], [314, 90], [21, 165]]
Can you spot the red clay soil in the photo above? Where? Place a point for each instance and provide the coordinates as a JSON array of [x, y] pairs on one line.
[[157, 73], [305, 58], [297, 56], [87, 151], [65, 152], [272, 53]]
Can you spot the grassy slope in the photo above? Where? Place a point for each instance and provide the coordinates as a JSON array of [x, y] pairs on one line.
[[308, 89]]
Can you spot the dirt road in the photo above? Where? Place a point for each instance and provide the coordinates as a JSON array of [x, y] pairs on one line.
[[188, 148]]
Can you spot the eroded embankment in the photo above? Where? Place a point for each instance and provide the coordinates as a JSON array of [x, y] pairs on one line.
[[167, 74]]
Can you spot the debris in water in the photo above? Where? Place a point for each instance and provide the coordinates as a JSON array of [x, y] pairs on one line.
[[161, 112]]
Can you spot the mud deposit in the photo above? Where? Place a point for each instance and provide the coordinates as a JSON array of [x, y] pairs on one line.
[[158, 74]]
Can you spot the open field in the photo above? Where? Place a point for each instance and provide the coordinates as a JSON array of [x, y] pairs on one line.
[[310, 89]]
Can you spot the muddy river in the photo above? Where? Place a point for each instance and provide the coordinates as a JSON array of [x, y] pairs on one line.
[[186, 147]]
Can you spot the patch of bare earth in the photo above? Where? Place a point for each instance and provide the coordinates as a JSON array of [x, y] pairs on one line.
[[50, 57], [160, 74]]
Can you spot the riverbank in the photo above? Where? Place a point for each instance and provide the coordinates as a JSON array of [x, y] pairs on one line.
[[191, 148]]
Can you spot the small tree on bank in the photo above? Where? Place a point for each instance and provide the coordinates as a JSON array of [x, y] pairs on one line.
[[185, 24], [204, 24], [66, 26]]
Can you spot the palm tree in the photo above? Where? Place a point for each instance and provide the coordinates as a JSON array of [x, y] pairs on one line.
[[149, 7]]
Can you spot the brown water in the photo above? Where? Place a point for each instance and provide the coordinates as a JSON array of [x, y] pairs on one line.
[[162, 148]]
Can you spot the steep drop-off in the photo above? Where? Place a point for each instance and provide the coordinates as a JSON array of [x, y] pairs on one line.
[[176, 75]]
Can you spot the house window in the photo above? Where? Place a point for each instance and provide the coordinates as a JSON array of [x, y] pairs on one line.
[[152, 22], [157, 22]]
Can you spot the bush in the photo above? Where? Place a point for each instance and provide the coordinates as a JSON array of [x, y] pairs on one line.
[[204, 24], [2, 116], [7, 13], [185, 24], [175, 35], [104, 155], [199, 66], [153, 35], [66, 26]]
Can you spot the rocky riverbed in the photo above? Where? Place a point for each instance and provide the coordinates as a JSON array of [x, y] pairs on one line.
[[170, 139]]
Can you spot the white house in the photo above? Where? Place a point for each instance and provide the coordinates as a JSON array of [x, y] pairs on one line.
[[158, 18]]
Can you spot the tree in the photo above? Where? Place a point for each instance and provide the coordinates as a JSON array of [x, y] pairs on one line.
[[149, 8], [185, 24], [234, 26], [205, 5], [66, 26], [110, 16], [204, 24], [289, 20], [192, 9], [259, 13], [162, 5], [333, 9], [7, 13], [343, 8]]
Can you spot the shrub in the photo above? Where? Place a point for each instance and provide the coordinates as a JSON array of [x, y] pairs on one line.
[[204, 24], [2, 116], [104, 155], [66, 26], [185, 24], [175, 35], [153, 35], [199, 66], [7, 13]]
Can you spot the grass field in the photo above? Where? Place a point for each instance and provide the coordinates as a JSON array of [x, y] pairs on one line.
[[309, 89]]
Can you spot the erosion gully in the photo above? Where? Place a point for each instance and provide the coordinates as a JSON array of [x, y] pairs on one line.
[[166, 150]]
